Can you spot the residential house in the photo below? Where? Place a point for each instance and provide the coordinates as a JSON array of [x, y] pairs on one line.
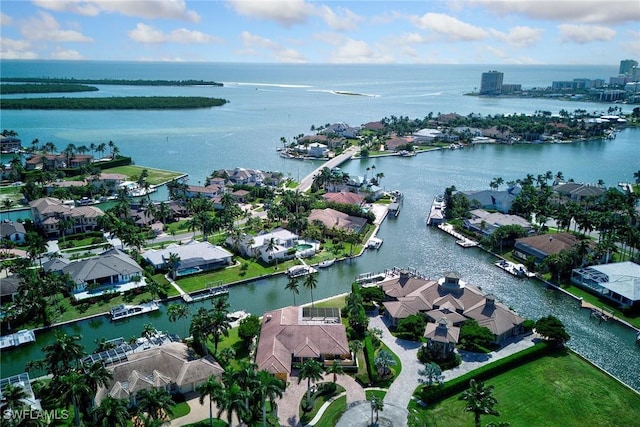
[[374, 126], [173, 367], [336, 220], [9, 288], [342, 130], [315, 149], [47, 213], [284, 242], [493, 199], [427, 136], [241, 196], [210, 191], [194, 257], [442, 337], [539, 247], [13, 231], [110, 181], [398, 143], [242, 176], [486, 223], [10, 144], [294, 334], [345, 197], [29, 400], [618, 282], [579, 191], [450, 298], [111, 271]]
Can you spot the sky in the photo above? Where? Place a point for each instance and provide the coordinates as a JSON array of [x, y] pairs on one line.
[[598, 32]]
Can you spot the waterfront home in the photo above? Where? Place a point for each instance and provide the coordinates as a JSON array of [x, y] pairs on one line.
[[342, 130], [578, 191], [427, 136], [47, 213], [195, 257], [541, 246], [112, 271], [210, 191], [172, 367], [13, 231], [294, 334], [450, 298], [336, 220], [344, 197], [618, 282], [110, 181], [283, 240], [315, 149], [493, 199], [398, 143], [29, 400], [486, 223], [10, 144]]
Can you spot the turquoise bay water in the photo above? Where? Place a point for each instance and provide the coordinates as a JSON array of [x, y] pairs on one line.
[[268, 102]]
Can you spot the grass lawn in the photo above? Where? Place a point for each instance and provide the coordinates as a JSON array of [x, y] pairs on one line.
[[319, 400], [561, 390], [590, 298], [337, 302], [333, 412], [156, 176], [378, 394]]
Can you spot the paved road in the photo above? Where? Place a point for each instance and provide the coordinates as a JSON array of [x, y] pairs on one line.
[[306, 182]]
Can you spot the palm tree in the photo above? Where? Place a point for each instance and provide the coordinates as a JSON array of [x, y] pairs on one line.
[[293, 286], [336, 369], [112, 412], [173, 263], [13, 396], [311, 370], [96, 375], [234, 401], [201, 327], [270, 388], [479, 400], [384, 361], [61, 354], [178, 311], [376, 405], [272, 245], [432, 372], [155, 402], [73, 388], [311, 282], [215, 390], [148, 331], [36, 246], [63, 225]]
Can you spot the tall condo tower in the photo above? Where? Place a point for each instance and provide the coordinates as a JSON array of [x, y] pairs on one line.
[[491, 83]]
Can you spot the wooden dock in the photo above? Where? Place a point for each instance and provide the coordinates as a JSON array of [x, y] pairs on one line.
[[598, 313]]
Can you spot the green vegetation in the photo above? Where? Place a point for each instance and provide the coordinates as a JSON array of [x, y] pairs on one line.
[[113, 103], [559, 390], [333, 412], [154, 176], [139, 82], [44, 88], [325, 392]]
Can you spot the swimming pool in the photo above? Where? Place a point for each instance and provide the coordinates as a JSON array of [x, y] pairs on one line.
[[187, 271], [303, 247]]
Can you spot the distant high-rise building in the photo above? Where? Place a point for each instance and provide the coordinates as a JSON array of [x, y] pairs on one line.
[[626, 66], [491, 83]]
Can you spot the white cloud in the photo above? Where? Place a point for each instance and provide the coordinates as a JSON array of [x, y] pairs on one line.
[[149, 9], [450, 27], [261, 46], [587, 11], [284, 12], [633, 44], [66, 54], [585, 33], [144, 33], [45, 27], [350, 51], [5, 19], [343, 20], [15, 49], [520, 36]]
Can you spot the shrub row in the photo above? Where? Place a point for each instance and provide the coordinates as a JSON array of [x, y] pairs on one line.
[[370, 356], [457, 385]]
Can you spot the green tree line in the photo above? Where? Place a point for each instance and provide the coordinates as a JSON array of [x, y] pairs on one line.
[[113, 103], [138, 82], [44, 88]]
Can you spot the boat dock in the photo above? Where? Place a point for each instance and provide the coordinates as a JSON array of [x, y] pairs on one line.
[[394, 209], [17, 339], [209, 292], [372, 278], [518, 270], [436, 213], [598, 313], [463, 241], [123, 311]]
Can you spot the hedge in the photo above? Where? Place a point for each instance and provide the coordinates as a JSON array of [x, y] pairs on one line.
[[370, 356], [461, 383]]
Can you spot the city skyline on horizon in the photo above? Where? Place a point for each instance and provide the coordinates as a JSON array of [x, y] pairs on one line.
[[490, 32]]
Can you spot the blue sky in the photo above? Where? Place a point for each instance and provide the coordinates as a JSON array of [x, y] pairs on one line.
[[302, 31]]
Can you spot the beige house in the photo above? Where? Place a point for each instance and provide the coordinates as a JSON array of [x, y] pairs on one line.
[[48, 212], [448, 298], [172, 366], [333, 219], [293, 334]]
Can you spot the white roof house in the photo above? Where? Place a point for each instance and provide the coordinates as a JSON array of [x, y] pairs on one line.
[[619, 282], [257, 245], [194, 257]]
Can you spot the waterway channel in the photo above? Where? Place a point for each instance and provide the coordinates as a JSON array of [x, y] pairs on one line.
[[409, 243]]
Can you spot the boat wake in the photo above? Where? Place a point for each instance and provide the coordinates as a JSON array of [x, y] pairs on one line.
[[345, 93], [281, 85]]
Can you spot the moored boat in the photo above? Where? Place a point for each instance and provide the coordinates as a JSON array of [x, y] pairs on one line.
[[300, 270], [124, 310], [326, 263]]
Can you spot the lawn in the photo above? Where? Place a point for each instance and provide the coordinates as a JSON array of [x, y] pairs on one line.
[[332, 414], [561, 390], [156, 176]]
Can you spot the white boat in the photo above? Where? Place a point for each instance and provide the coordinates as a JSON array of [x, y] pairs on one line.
[[326, 263], [300, 270], [17, 339], [374, 243], [124, 310], [518, 270]]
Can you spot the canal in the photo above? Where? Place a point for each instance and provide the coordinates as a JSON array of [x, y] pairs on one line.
[[409, 243]]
